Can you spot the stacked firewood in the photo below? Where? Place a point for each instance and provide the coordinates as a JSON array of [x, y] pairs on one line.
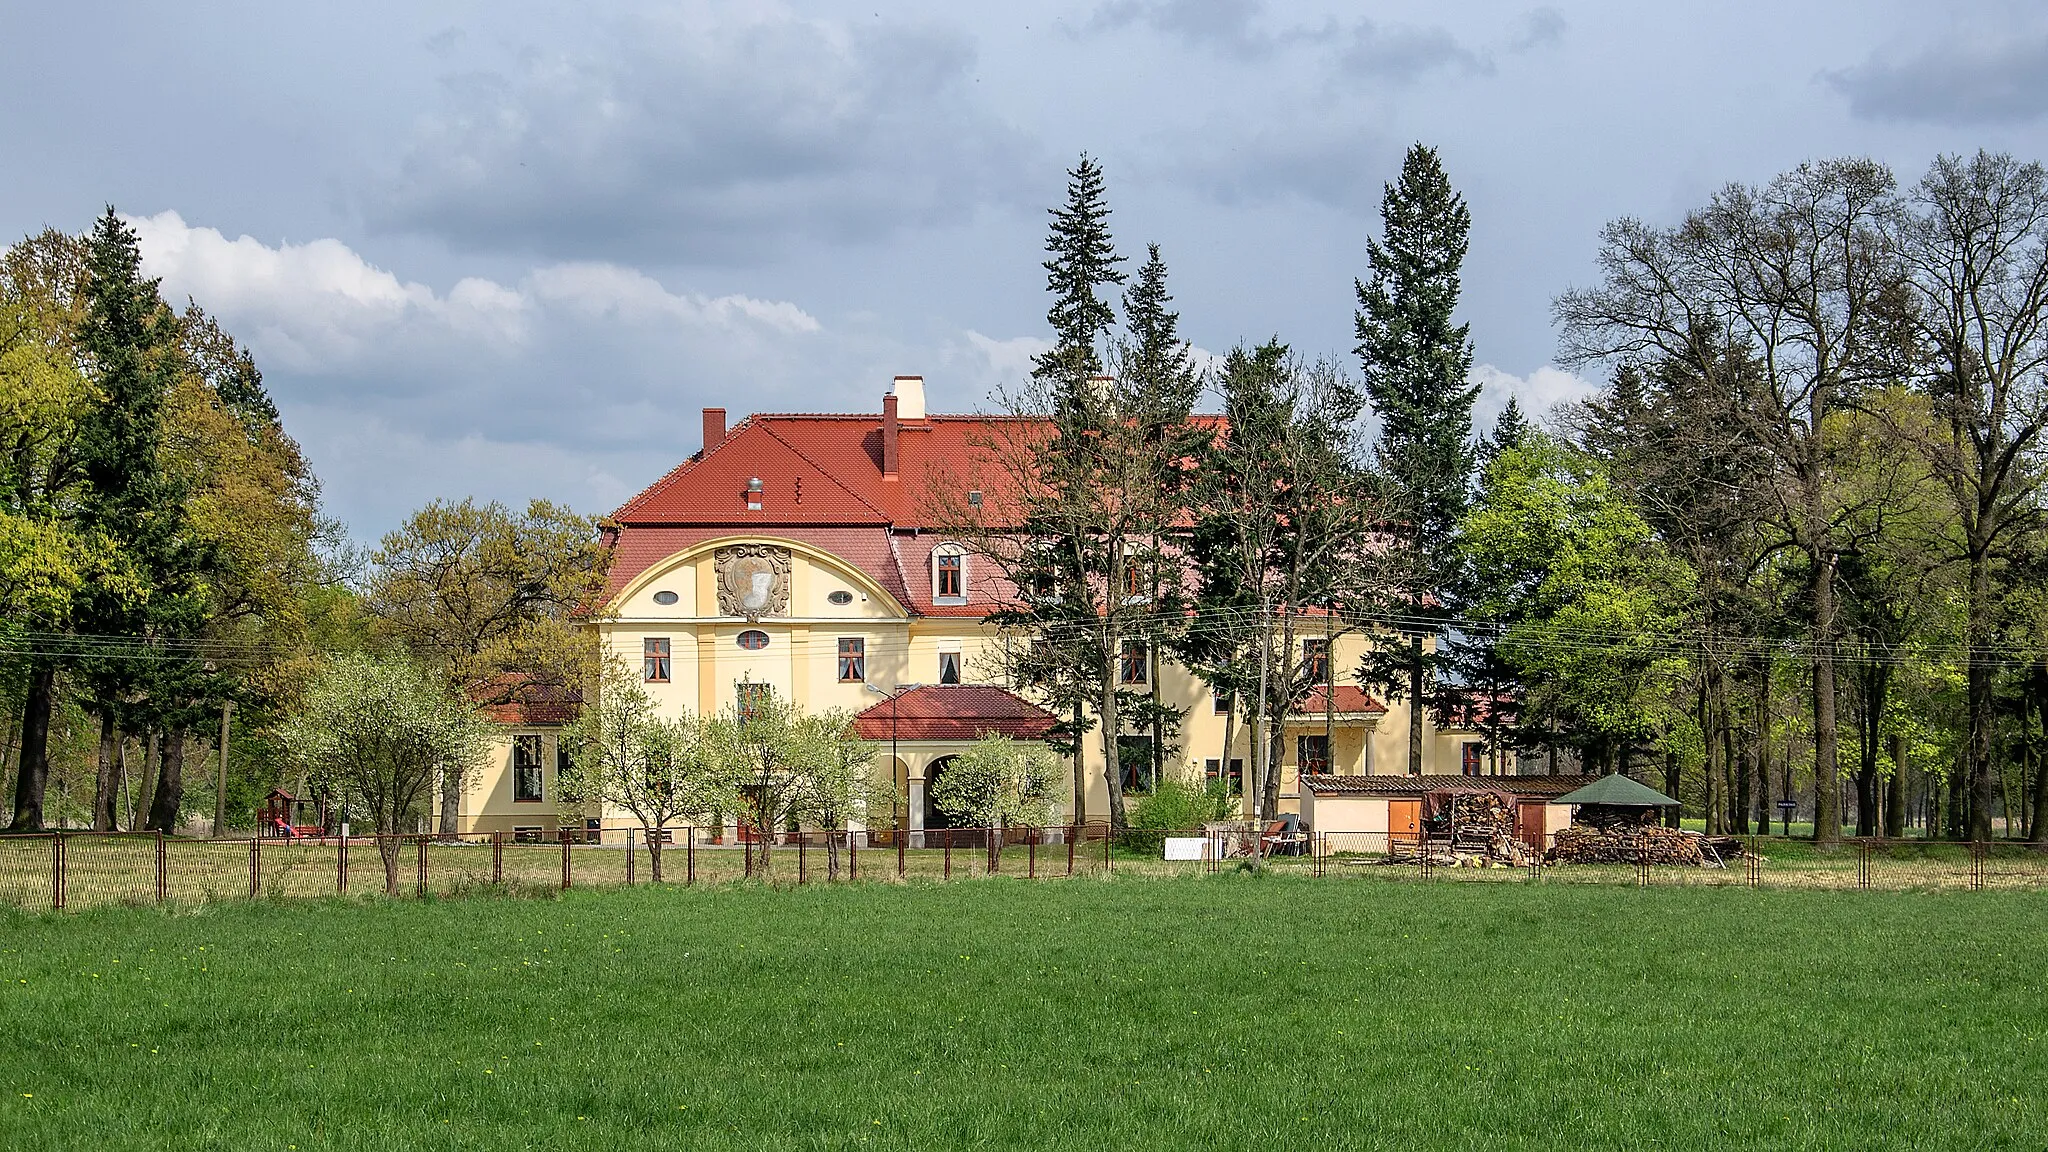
[[1630, 844]]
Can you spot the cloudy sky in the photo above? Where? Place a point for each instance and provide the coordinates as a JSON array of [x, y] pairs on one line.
[[508, 250]]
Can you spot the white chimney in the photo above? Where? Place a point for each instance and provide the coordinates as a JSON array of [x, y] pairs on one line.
[[909, 392]]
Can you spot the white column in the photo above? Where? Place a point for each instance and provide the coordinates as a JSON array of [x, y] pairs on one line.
[[917, 811]]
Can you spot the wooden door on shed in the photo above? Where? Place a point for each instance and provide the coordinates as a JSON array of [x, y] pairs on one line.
[[1404, 820], [1529, 823]]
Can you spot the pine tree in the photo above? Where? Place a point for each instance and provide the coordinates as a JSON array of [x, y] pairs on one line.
[[1417, 366], [1083, 265], [1510, 428], [1417, 362]]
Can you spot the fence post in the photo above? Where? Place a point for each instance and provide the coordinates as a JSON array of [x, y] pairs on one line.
[[341, 868], [163, 878], [689, 856], [1108, 862], [949, 853], [1072, 830], [902, 840], [799, 856], [1863, 865], [498, 857], [630, 834], [852, 859], [1752, 864], [1978, 853], [420, 884], [57, 871], [747, 854], [1643, 865], [1031, 854], [565, 859], [255, 867]]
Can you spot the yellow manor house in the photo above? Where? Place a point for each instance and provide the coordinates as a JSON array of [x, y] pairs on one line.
[[788, 556]]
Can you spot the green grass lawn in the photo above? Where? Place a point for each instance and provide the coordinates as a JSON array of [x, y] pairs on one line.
[[1235, 1012]]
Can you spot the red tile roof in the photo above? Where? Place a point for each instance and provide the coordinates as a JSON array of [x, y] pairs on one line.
[[954, 712], [517, 700], [1351, 701]]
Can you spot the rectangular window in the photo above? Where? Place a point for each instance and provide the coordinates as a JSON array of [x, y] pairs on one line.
[[526, 775], [752, 699], [1312, 753], [654, 659], [947, 585], [1473, 757], [1219, 701], [1131, 663], [1134, 759], [1212, 770], [1315, 661], [853, 659], [949, 667]]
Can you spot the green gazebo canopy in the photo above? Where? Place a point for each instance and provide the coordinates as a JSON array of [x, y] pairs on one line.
[[1617, 791]]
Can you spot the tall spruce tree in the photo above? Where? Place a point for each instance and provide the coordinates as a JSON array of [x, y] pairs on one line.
[[1417, 366], [1089, 484], [132, 343]]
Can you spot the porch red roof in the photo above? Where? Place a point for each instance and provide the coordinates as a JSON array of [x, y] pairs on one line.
[[954, 712], [1351, 701]]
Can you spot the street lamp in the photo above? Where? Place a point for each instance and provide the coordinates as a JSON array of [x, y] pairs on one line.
[[894, 759]]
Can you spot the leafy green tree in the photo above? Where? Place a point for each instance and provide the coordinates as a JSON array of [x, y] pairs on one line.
[[624, 754], [1587, 600], [478, 591], [1803, 275], [376, 730], [1417, 363]]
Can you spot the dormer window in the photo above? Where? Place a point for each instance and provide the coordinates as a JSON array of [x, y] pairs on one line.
[[949, 575]]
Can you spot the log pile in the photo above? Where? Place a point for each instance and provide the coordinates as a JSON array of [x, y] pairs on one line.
[[1631, 844]]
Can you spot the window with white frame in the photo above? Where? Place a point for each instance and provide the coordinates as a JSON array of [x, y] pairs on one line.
[[949, 574]]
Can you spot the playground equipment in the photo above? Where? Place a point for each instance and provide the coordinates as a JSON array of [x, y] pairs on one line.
[[288, 817]]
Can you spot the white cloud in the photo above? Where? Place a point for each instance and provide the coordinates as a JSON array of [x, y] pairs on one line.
[[578, 380], [1538, 392]]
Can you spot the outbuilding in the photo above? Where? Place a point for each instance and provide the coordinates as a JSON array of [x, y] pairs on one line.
[[1371, 813]]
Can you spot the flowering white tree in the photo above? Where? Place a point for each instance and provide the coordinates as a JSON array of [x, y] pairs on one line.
[[999, 783], [377, 729], [622, 753]]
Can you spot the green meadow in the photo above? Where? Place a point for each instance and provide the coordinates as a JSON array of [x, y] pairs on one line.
[[1228, 1012]]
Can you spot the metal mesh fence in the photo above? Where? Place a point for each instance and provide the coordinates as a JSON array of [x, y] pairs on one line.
[[85, 870]]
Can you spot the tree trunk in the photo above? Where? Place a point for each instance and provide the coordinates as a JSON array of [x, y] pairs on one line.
[[388, 845], [106, 786], [1895, 801], [1743, 782], [170, 784], [1673, 816], [1827, 809], [1415, 705], [34, 776], [654, 836], [1978, 694], [451, 802], [1710, 796], [145, 781], [1112, 726], [831, 852]]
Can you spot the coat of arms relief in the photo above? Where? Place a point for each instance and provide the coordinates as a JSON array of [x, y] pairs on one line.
[[753, 581]]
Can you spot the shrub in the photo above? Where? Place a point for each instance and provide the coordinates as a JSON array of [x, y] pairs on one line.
[[1176, 806]]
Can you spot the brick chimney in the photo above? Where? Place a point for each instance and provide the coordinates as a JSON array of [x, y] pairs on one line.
[[714, 429], [889, 457]]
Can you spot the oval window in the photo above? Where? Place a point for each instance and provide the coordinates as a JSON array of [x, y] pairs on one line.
[[665, 598], [753, 640], [841, 597]]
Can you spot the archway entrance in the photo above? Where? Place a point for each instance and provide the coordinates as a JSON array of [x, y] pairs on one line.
[[934, 816]]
